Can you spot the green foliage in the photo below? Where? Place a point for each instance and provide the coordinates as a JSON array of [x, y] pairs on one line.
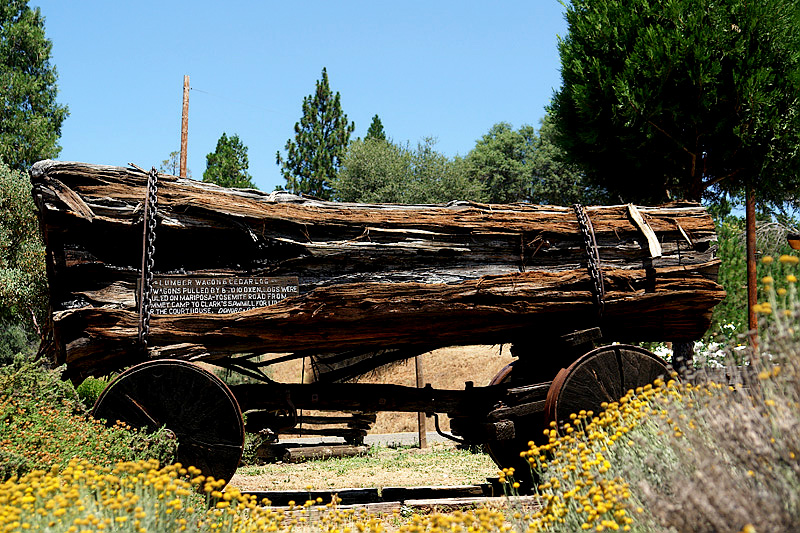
[[227, 164], [16, 341], [375, 131], [556, 181], [321, 139], [525, 166], [43, 424], [90, 390], [685, 98], [732, 276], [373, 171], [23, 285], [501, 162], [770, 241], [376, 171], [30, 118]]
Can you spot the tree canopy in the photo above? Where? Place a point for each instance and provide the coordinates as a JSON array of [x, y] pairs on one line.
[[227, 164], [524, 165], [377, 171], [23, 284], [682, 98], [30, 117], [556, 181], [321, 138], [501, 162]]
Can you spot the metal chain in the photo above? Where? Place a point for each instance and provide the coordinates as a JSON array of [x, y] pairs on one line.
[[593, 256], [148, 252]]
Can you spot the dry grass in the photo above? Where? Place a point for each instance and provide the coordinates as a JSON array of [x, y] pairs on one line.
[[438, 465], [446, 368]]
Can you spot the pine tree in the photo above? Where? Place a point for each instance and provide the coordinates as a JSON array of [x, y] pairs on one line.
[[375, 130], [30, 118], [227, 164], [682, 98], [321, 138]]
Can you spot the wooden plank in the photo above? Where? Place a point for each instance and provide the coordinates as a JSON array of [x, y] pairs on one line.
[[375, 501], [305, 453], [652, 241], [528, 503], [361, 496]]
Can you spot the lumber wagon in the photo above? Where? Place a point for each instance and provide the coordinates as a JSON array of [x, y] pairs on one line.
[[150, 275]]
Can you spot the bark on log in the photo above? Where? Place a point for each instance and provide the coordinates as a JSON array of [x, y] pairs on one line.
[[371, 277]]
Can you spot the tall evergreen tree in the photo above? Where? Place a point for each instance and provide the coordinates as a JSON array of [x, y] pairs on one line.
[[227, 164], [30, 117], [321, 138], [375, 130], [686, 98]]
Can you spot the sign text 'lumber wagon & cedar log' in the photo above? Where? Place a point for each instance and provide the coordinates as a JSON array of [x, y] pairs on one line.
[[190, 295]]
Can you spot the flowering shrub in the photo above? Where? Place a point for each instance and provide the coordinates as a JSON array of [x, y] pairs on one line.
[[140, 497], [694, 457], [43, 424]]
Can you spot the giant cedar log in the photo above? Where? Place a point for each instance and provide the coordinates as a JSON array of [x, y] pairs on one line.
[[390, 279]]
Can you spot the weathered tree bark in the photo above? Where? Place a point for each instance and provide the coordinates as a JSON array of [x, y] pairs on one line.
[[390, 278]]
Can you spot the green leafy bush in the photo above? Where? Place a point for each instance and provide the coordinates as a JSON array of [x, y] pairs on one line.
[[90, 390], [43, 423]]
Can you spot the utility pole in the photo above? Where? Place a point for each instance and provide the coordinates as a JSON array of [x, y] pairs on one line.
[[184, 125], [421, 425]]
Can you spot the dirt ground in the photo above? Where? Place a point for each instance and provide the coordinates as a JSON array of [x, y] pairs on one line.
[[446, 368]]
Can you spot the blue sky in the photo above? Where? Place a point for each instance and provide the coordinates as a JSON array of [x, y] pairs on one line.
[[448, 69]]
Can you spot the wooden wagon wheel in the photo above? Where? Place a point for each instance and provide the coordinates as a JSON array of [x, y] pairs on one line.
[[602, 375], [189, 401], [505, 453]]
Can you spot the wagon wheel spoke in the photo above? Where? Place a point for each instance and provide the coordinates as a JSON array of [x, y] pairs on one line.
[[143, 412]]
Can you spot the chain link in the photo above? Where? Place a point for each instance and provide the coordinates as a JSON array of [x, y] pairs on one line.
[[148, 253], [590, 243]]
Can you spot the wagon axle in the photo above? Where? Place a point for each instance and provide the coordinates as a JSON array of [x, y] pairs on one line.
[[206, 415]]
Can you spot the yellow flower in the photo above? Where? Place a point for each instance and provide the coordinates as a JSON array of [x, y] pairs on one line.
[[791, 278], [764, 308], [766, 280], [789, 259], [767, 259]]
